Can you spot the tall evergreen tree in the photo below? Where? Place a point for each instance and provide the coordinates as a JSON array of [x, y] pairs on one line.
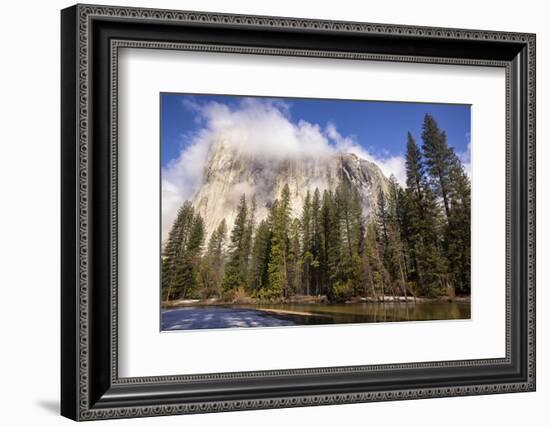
[[174, 249], [383, 219], [350, 225], [236, 267], [278, 259], [459, 228], [261, 248], [187, 271], [396, 259], [212, 264], [438, 159], [377, 277], [331, 244], [450, 183], [403, 216], [249, 232], [425, 224], [294, 259], [316, 242], [307, 243]]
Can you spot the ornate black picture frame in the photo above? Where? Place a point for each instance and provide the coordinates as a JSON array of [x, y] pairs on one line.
[[90, 38]]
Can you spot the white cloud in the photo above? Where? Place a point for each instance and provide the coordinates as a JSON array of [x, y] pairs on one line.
[[259, 128], [263, 128], [466, 159], [181, 177], [394, 166]]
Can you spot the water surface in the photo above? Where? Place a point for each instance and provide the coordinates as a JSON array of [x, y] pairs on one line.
[[276, 315]]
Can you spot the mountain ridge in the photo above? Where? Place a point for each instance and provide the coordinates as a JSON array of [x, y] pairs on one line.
[[229, 173]]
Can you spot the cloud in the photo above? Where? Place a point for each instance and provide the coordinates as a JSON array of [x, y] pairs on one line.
[[394, 166], [181, 177], [466, 159], [263, 129], [258, 128]]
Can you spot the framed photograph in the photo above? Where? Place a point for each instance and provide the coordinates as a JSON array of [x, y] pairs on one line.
[[263, 212]]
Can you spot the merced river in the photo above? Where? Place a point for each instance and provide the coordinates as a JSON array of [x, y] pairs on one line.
[[288, 314]]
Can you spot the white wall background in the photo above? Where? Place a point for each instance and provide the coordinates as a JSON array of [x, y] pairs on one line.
[[29, 216]]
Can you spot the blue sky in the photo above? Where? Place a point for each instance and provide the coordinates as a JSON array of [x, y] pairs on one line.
[[379, 127]]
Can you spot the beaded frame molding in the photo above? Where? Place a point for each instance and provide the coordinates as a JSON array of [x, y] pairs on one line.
[[91, 39]]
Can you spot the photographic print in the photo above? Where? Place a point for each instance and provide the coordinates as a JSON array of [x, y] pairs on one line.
[[293, 211], [293, 190]]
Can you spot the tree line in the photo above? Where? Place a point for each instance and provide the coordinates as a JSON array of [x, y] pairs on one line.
[[416, 242]]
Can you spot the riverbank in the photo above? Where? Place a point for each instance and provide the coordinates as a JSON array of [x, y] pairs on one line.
[[308, 300]]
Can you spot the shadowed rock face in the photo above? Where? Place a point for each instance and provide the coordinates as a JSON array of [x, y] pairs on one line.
[[228, 174]]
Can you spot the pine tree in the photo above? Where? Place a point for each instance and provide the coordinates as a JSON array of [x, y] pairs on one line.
[[188, 268], [425, 224], [350, 227], [278, 259], [316, 242], [396, 256], [307, 243], [174, 249], [212, 264], [404, 218], [258, 277], [236, 267], [365, 271], [414, 168], [331, 244], [382, 220], [249, 232], [458, 231], [451, 185], [294, 259], [438, 159], [376, 275]]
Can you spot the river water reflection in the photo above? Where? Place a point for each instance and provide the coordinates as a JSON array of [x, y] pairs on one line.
[[276, 315]]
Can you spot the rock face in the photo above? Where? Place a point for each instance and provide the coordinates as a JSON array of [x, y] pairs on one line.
[[229, 173]]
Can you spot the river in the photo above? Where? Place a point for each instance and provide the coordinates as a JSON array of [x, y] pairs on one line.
[[276, 315]]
